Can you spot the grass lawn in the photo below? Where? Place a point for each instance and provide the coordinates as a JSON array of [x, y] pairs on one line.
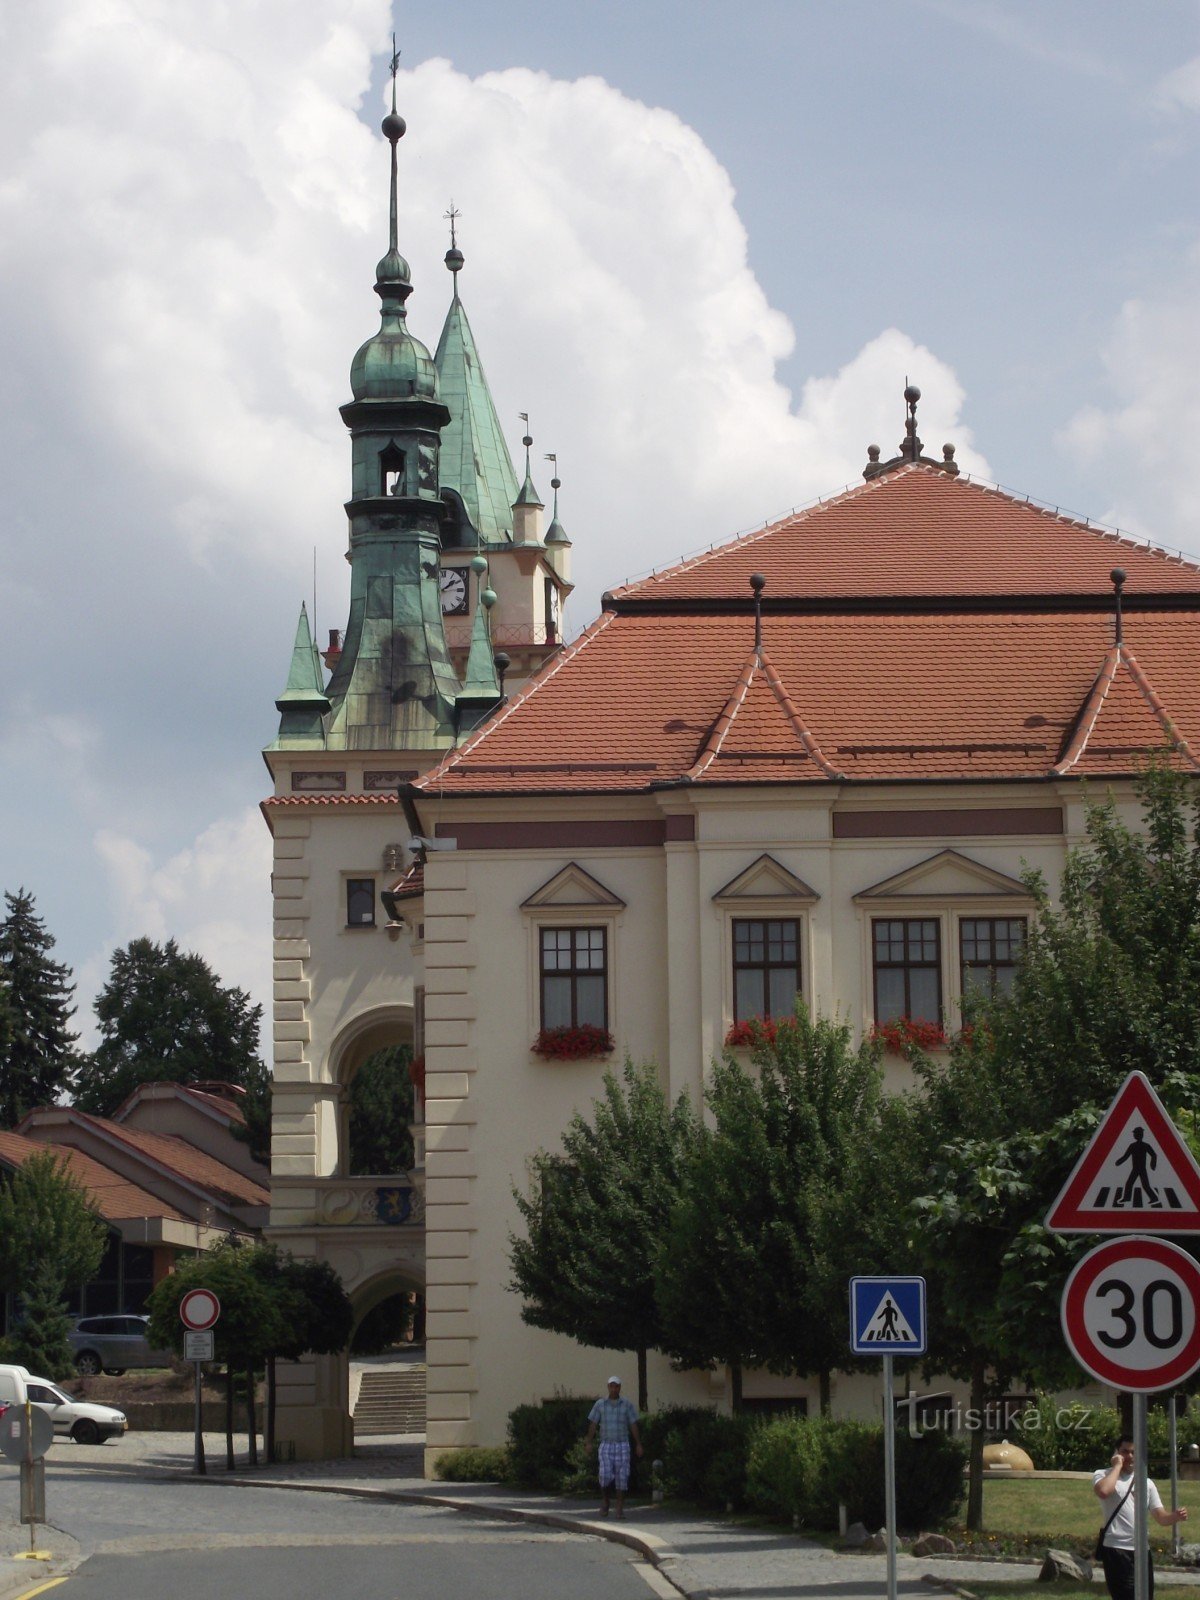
[[990, 1590], [1049, 1506]]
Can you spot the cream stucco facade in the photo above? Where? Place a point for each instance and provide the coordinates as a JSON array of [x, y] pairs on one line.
[[665, 878]]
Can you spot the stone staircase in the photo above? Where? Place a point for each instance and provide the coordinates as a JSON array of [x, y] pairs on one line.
[[391, 1401]]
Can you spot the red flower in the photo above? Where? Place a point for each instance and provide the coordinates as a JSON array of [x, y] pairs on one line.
[[573, 1044], [757, 1030], [906, 1033]]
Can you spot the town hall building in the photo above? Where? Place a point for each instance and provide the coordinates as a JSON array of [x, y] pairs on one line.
[[812, 764]]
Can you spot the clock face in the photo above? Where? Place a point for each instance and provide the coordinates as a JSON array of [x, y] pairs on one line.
[[452, 587]]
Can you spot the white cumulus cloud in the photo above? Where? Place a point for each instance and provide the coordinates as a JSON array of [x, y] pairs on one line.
[[213, 897], [1140, 445]]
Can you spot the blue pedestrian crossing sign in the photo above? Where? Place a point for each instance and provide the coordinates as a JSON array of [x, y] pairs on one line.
[[887, 1316]]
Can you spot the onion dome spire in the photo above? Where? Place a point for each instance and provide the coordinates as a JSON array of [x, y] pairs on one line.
[[393, 364]]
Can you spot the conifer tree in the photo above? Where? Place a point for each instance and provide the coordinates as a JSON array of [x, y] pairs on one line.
[[40, 1341], [37, 1048]]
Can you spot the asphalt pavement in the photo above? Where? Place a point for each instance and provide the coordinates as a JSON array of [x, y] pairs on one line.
[[316, 1522]]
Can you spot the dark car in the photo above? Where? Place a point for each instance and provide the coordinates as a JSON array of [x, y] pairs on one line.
[[113, 1344]]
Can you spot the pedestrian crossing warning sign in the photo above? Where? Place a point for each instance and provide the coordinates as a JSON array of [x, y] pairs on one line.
[[887, 1316], [1136, 1175]]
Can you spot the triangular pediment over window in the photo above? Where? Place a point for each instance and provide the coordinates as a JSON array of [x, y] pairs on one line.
[[946, 876], [766, 879], [573, 887]]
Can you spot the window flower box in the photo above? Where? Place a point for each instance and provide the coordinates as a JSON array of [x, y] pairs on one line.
[[573, 1044], [909, 1033], [756, 1030]]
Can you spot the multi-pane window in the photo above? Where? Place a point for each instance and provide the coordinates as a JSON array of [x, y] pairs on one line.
[[990, 948], [766, 967], [360, 902], [908, 969], [574, 977]]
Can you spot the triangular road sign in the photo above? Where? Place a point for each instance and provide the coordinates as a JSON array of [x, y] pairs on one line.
[[887, 1324], [1136, 1175]]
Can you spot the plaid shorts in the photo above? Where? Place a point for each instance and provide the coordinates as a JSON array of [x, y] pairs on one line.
[[614, 1464]]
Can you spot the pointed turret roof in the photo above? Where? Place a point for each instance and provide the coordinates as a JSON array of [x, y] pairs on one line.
[[303, 703], [474, 457], [481, 682]]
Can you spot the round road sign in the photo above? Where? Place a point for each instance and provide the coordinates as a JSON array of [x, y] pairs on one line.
[[199, 1309], [1131, 1314], [15, 1444]]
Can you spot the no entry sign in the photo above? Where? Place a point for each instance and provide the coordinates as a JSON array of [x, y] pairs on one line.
[[199, 1309], [1129, 1313]]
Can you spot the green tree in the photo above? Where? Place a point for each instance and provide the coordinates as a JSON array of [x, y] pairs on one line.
[[249, 1328], [46, 1216], [381, 1113], [164, 1014], [256, 1108], [39, 1341], [1107, 985], [37, 1048], [595, 1213], [778, 1206]]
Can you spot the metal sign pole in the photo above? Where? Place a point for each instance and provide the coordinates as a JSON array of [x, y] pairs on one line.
[[889, 1475], [29, 1472], [200, 1467], [1174, 1417], [1141, 1531]]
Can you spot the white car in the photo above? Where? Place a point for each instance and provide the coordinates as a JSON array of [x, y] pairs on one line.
[[80, 1419]]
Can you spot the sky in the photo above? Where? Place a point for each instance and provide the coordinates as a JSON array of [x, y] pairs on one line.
[[705, 247]]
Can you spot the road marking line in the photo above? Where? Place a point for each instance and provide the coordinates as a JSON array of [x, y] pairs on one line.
[[41, 1588]]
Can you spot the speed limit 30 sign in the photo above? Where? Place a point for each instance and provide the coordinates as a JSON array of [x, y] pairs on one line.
[[1130, 1314]]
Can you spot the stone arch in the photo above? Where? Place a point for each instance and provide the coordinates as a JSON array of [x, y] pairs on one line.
[[396, 1278], [357, 1039]]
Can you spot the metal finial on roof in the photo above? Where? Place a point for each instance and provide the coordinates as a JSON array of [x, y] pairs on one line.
[[527, 438], [555, 533], [758, 583], [501, 661], [1118, 582], [393, 131], [911, 448], [454, 256]]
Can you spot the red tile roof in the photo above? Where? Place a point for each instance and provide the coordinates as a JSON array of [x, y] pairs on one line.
[[921, 627], [955, 695], [168, 1150], [114, 1197], [917, 531]]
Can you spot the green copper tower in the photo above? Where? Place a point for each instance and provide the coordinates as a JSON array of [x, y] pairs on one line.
[[475, 458], [394, 686]]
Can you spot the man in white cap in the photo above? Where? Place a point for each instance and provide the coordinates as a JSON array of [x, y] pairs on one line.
[[616, 1419]]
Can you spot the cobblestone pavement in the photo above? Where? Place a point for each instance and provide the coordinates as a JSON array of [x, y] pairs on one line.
[[702, 1556]]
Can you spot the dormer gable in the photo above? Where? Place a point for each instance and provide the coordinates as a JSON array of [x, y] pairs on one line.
[[766, 879], [573, 889], [947, 875]]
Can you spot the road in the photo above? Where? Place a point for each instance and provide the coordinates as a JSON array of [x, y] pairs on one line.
[[147, 1539]]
